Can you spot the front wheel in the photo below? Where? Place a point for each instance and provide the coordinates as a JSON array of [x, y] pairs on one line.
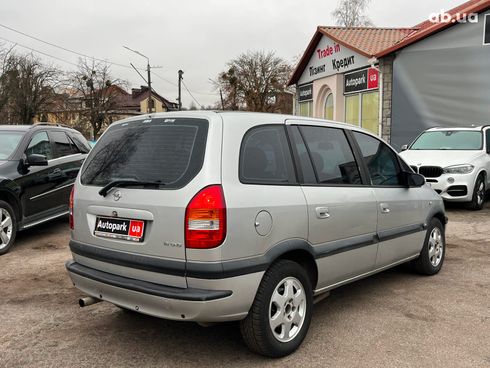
[[478, 199], [433, 252], [8, 227], [281, 312]]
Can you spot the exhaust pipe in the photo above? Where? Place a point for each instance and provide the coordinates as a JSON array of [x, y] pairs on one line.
[[88, 300]]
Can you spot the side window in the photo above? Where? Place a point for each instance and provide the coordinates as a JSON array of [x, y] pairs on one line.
[[63, 145], [40, 145], [265, 157], [80, 142], [381, 161], [488, 138], [331, 154]]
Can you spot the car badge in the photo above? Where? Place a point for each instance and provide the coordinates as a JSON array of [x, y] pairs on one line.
[[117, 195]]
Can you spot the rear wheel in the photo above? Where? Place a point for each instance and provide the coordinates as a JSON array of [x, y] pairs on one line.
[[281, 313], [8, 227], [432, 255], [479, 192]]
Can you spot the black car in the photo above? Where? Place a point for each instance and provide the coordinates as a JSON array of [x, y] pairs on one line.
[[38, 166]]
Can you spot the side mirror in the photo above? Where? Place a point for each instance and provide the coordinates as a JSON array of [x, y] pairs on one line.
[[413, 180], [404, 147], [36, 160]]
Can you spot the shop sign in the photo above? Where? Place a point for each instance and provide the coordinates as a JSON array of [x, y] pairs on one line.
[[305, 93], [331, 58], [361, 80]]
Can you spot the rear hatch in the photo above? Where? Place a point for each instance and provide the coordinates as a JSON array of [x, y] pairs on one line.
[[133, 191]]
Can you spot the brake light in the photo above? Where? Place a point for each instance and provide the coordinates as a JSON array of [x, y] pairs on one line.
[[72, 194], [205, 219]]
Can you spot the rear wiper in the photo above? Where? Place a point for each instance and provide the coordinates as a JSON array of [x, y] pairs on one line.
[[127, 183]]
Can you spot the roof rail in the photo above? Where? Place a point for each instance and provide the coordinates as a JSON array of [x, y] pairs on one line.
[[51, 124]]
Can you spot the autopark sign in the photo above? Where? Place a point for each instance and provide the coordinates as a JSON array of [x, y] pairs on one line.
[[331, 58], [361, 80]]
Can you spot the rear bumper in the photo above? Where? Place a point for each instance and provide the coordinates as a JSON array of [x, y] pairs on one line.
[[188, 304]]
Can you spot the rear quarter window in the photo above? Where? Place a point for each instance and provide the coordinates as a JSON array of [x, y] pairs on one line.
[[169, 151]]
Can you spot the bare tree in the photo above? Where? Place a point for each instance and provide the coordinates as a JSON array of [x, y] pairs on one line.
[[350, 13], [253, 81], [98, 91], [27, 88]]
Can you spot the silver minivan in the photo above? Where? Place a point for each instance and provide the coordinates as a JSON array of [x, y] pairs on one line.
[[229, 216]]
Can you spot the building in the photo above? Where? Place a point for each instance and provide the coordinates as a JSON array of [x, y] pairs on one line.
[[397, 82]]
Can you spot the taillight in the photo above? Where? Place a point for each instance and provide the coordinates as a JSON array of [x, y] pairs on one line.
[[205, 219], [71, 207]]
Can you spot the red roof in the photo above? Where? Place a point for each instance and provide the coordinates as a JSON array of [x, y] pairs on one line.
[[379, 42]]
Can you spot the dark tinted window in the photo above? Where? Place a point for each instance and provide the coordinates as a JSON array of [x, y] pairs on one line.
[[381, 161], [170, 151], [81, 143], [305, 166], [487, 30], [265, 156], [40, 145], [63, 145], [331, 155], [488, 135]]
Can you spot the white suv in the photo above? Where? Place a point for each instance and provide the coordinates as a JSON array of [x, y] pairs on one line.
[[455, 161]]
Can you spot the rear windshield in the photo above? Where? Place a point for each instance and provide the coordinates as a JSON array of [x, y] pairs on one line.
[[163, 150], [449, 140]]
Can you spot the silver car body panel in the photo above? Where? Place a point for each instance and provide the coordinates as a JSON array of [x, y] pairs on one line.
[[355, 240]]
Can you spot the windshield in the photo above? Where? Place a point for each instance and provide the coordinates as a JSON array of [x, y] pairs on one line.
[[8, 143], [166, 151], [449, 140]]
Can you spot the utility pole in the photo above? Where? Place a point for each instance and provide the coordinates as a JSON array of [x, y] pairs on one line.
[[180, 89], [148, 69], [222, 101]]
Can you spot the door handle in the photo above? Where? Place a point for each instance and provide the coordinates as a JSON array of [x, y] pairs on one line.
[[384, 208], [322, 212]]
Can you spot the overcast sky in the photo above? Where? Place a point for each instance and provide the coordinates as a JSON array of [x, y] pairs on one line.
[[197, 36]]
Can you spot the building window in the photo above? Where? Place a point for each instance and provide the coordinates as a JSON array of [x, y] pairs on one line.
[[370, 111], [306, 109], [352, 109], [329, 107], [362, 109]]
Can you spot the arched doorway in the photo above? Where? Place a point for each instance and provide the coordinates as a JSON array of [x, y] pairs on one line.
[[329, 106]]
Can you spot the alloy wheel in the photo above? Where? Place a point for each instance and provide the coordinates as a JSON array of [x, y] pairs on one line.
[[6, 228], [287, 309], [480, 193], [436, 247]]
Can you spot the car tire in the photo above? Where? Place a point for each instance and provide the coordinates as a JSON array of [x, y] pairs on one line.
[[479, 192], [433, 252], [284, 300], [8, 227]]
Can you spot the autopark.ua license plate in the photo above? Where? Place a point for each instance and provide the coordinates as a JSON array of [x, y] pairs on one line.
[[117, 228]]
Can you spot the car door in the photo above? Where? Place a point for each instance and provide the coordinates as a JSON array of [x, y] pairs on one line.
[[400, 208], [341, 208], [36, 181], [65, 166]]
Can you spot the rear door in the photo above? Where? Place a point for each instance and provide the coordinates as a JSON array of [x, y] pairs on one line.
[[399, 208], [169, 152], [341, 208]]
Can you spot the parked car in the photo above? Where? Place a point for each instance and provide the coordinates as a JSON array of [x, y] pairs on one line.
[[213, 217], [38, 166], [454, 161]]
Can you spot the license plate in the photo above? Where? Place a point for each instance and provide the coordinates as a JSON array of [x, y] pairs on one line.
[[117, 228]]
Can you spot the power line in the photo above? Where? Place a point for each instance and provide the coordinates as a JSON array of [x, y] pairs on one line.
[[39, 52], [64, 48], [83, 55], [187, 89]]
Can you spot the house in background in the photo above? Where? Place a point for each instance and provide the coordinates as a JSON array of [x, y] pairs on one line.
[[70, 107], [397, 82]]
